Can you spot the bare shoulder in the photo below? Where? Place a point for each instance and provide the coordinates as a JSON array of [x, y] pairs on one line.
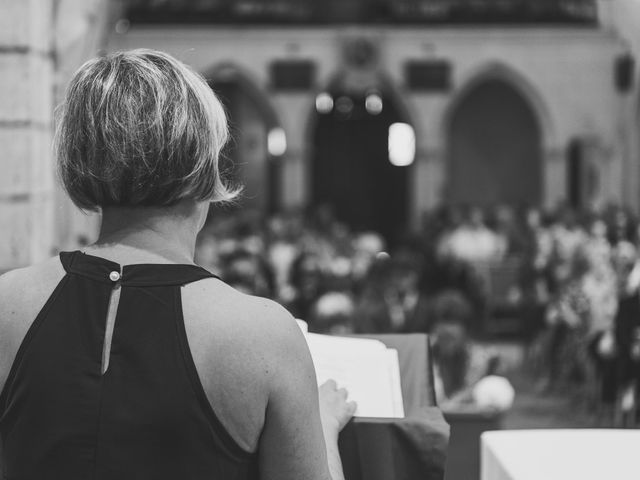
[[25, 290], [23, 293], [243, 348], [258, 320], [253, 337]]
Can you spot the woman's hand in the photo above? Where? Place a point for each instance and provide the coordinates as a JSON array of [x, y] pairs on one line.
[[335, 410]]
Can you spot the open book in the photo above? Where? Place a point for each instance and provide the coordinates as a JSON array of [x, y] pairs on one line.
[[366, 368]]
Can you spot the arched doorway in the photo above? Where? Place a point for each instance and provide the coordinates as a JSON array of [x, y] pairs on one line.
[[494, 147], [256, 137], [355, 169]]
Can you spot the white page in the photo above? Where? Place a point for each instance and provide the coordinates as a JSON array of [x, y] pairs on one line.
[[341, 345], [304, 326], [366, 368], [393, 365]]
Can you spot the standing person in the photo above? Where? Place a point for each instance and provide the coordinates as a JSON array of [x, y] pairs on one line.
[[127, 360], [473, 241], [533, 281], [568, 320], [626, 349], [601, 288], [568, 237]]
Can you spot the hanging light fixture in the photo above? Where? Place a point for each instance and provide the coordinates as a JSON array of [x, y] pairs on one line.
[[276, 142], [402, 144], [324, 103], [373, 104], [344, 105]]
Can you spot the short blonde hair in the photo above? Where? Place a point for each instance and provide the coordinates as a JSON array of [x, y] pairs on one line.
[[140, 128]]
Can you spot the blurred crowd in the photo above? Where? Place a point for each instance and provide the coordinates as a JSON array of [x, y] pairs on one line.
[[565, 281]]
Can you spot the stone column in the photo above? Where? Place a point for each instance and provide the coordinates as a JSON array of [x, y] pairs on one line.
[[26, 111], [294, 110], [81, 32], [554, 177], [431, 170]]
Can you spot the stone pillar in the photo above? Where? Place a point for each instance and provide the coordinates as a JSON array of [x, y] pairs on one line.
[[294, 111], [631, 157], [26, 111], [554, 178]]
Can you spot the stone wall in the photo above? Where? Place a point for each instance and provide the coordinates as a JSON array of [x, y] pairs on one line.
[[622, 17], [26, 110], [42, 42]]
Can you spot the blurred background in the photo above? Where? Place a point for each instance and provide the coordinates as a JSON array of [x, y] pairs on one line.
[[465, 168]]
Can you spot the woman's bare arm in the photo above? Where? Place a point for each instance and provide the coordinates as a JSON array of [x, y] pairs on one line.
[[260, 378], [297, 441]]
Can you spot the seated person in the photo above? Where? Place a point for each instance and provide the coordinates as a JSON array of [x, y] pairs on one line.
[[332, 314], [464, 372]]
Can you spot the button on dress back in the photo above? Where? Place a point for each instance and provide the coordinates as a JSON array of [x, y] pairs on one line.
[[63, 415]]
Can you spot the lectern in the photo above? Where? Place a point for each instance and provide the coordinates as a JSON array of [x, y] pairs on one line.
[[411, 448]]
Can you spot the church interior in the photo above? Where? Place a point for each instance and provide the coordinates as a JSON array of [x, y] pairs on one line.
[[455, 168]]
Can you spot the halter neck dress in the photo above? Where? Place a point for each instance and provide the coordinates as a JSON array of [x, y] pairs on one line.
[[146, 417]]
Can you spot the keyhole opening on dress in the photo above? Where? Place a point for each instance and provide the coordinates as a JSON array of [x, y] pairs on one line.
[[112, 312]]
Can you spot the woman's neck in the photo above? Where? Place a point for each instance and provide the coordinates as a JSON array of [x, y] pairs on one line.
[[148, 235]]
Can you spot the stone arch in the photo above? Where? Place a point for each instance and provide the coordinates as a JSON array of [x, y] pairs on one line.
[[519, 82], [252, 119], [227, 72], [369, 192], [497, 131]]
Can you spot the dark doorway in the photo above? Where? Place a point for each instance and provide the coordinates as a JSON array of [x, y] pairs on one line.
[[351, 170], [246, 158], [494, 145]]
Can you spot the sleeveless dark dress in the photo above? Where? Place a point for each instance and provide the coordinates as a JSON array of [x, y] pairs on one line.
[[147, 417]]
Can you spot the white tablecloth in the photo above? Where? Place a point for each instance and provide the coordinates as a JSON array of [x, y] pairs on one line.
[[579, 454]]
